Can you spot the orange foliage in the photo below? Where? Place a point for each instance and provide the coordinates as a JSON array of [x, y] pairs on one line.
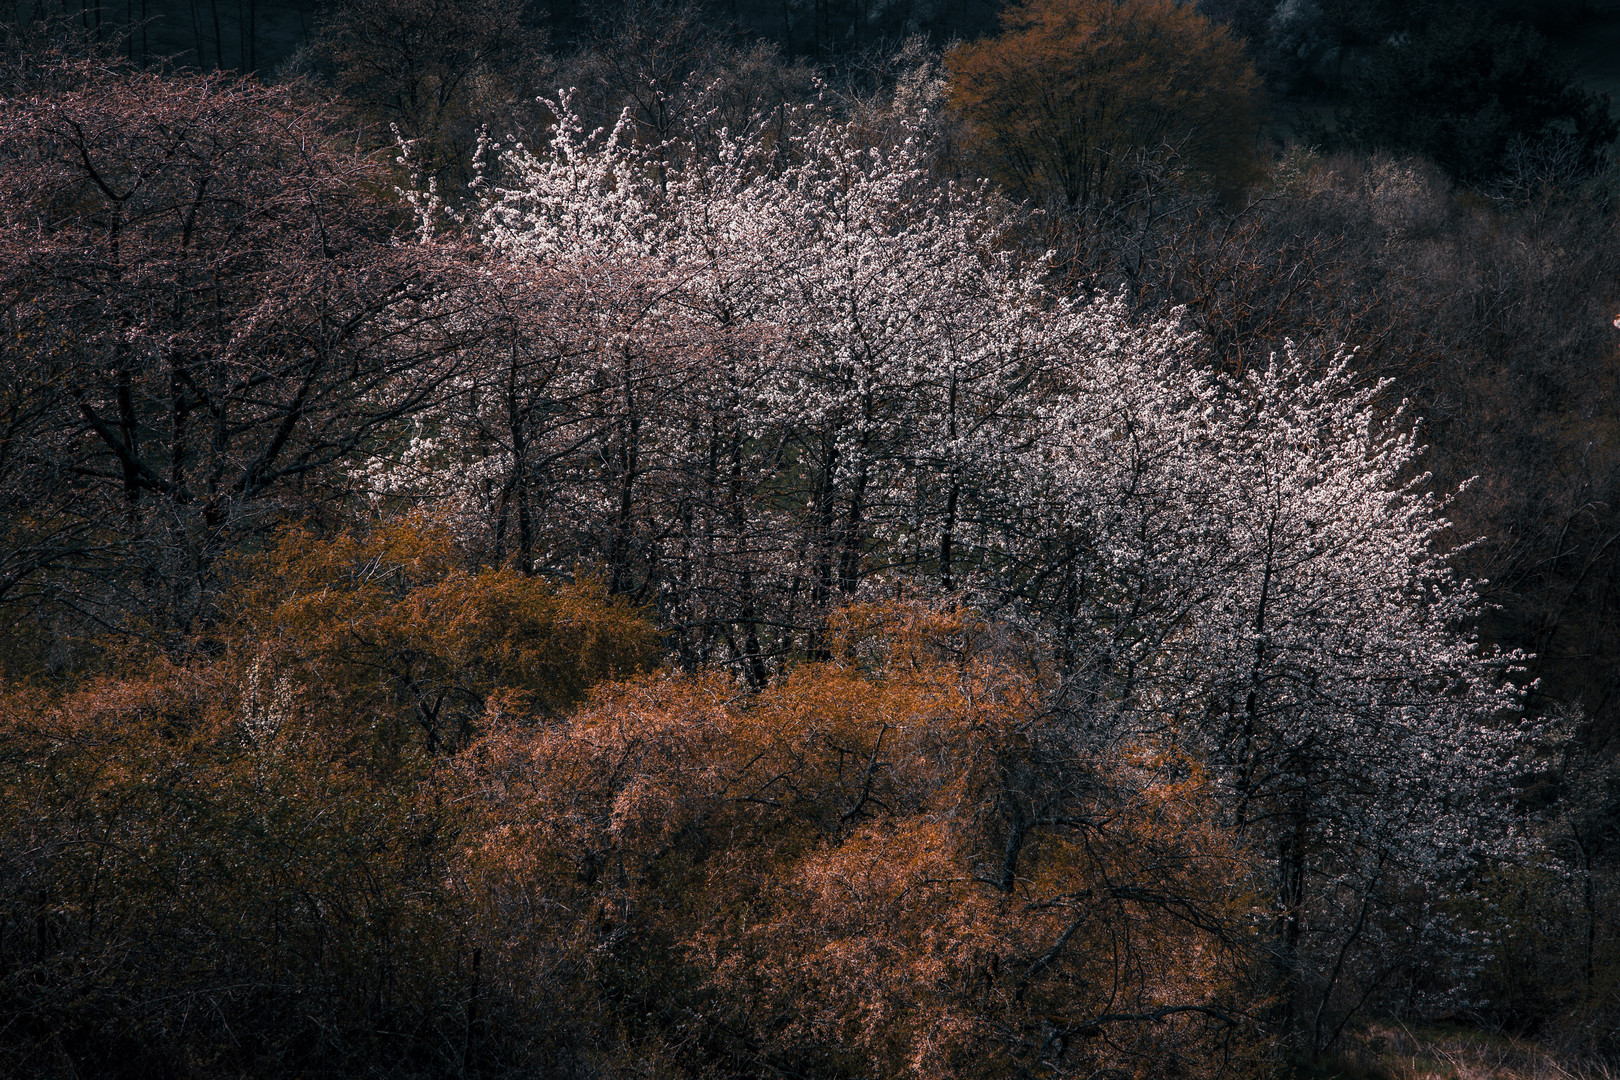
[[1077, 97], [897, 862], [237, 863], [170, 880], [362, 827], [389, 627]]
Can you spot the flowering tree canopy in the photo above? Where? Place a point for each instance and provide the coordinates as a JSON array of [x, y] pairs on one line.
[[787, 369]]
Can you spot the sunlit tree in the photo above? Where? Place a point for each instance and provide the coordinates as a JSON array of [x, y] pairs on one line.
[[892, 400]]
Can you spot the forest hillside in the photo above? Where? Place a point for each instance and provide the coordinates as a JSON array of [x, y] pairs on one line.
[[1072, 539]]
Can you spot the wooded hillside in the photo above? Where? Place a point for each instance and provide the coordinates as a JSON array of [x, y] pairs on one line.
[[1077, 540]]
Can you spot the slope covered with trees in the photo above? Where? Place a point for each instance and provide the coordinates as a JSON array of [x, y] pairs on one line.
[[924, 566]]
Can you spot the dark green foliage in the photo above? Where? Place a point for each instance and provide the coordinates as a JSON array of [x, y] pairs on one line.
[[1463, 90]]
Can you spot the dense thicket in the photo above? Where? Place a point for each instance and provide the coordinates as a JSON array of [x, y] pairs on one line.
[[686, 577]]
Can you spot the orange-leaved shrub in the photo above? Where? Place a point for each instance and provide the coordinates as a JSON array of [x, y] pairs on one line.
[[389, 627], [237, 862], [902, 861]]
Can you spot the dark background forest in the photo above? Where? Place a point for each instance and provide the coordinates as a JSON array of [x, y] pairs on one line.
[[300, 779]]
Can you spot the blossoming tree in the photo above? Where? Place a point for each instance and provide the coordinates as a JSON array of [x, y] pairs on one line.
[[800, 370]]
